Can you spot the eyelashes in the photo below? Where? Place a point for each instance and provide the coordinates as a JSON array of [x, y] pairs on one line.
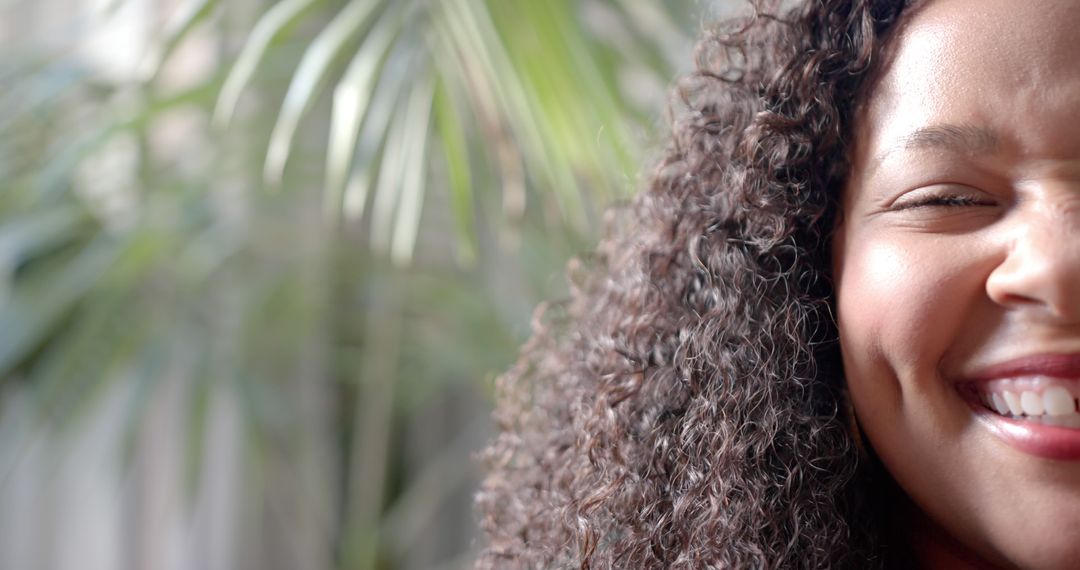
[[942, 201]]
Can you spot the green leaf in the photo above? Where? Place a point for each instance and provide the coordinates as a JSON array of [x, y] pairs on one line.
[[38, 304], [477, 39], [417, 126], [269, 26], [31, 233], [83, 357], [183, 21], [373, 138], [454, 145], [308, 78], [390, 182], [351, 99]]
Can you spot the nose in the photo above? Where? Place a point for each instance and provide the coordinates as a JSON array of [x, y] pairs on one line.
[[1041, 268]]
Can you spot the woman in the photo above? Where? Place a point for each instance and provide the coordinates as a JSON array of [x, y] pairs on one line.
[[841, 328]]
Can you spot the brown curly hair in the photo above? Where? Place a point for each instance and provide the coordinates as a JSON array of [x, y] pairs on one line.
[[684, 407]]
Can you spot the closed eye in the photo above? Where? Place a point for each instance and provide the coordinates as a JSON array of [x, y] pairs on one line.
[[943, 201]]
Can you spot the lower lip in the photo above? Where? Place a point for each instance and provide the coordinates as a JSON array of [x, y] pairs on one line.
[[1049, 442]]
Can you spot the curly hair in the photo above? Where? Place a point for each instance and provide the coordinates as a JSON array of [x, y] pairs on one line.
[[684, 407]]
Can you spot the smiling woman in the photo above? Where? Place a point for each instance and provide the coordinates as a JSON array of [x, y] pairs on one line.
[[965, 381], [841, 327]]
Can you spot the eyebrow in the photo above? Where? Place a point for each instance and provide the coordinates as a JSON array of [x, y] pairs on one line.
[[961, 139]]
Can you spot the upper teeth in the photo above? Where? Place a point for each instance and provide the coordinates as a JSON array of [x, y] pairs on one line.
[[1035, 398]]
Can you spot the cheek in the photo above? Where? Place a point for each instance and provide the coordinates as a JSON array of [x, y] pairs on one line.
[[902, 304], [885, 299]]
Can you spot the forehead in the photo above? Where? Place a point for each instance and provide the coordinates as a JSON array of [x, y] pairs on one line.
[[1006, 66]]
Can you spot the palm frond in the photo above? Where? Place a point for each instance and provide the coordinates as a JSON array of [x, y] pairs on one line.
[[270, 26], [352, 95], [435, 162], [309, 77]]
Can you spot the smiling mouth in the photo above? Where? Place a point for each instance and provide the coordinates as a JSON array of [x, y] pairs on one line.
[[1035, 399]]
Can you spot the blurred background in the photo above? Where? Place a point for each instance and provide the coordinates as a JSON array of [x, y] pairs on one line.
[[261, 260]]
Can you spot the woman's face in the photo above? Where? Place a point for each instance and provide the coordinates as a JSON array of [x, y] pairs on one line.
[[958, 277]]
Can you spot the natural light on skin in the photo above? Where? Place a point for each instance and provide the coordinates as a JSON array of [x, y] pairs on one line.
[[958, 278]]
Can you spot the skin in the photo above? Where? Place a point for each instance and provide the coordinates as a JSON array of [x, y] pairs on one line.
[[929, 291]]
